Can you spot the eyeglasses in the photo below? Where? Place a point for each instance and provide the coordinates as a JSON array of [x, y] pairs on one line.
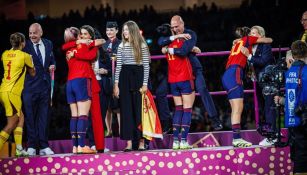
[[303, 19]]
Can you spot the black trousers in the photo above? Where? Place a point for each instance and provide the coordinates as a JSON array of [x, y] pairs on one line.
[[299, 149], [130, 82]]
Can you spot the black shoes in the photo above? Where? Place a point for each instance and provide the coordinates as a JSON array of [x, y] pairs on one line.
[[128, 149], [166, 126], [216, 123]]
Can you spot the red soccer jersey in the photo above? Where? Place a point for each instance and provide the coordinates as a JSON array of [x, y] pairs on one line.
[[80, 65], [179, 68], [236, 56]]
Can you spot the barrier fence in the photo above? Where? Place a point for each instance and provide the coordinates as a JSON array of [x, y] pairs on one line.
[[223, 53]]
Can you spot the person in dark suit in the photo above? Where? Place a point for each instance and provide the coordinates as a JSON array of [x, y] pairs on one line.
[[36, 94], [200, 83], [109, 104], [260, 57]]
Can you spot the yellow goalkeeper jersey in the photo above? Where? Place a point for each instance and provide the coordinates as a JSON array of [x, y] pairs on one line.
[[14, 65]]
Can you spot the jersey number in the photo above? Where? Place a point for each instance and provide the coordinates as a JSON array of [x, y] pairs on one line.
[[9, 70], [236, 48]]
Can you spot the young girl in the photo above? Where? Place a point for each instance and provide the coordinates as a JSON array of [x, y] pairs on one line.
[[131, 78]]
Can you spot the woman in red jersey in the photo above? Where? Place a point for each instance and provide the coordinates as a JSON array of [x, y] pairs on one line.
[[181, 79], [232, 80], [81, 86]]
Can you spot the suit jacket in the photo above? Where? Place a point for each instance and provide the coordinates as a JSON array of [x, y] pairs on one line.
[[187, 46], [262, 57], [185, 50], [41, 81], [106, 63]]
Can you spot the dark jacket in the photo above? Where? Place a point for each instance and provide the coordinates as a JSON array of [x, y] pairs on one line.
[[41, 81], [106, 63], [185, 50], [262, 57]]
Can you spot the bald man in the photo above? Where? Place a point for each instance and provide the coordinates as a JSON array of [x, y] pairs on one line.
[[36, 94], [177, 26]]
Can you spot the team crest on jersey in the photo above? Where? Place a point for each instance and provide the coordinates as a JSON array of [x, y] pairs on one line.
[[79, 46]]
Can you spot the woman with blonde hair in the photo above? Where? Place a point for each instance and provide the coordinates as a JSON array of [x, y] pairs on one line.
[[82, 87], [233, 80], [131, 78]]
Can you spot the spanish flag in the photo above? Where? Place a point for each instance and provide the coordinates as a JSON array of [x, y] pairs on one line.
[[151, 126]]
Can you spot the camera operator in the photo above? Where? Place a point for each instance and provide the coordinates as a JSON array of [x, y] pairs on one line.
[[296, 106]]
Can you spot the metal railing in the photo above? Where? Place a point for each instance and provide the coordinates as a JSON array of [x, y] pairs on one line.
[[223, 53]]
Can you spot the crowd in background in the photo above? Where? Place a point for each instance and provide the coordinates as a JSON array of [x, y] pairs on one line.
[[214, 27]]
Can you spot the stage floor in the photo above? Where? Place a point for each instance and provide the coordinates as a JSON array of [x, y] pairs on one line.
[[211, 155], [214, 160]]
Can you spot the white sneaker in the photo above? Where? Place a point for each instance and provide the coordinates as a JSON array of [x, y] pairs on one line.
[[267, 142], [106, 150], [45, 151], [93, 147], [31, 152]]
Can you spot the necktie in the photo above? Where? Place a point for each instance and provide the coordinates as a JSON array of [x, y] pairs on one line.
[[304, 37], [109, 49], [39, 54]]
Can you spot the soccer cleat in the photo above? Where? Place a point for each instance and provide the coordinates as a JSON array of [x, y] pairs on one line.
[[185, 145], [267, 142], [241, 143], [21, 153], [85, 150], [176, 145]]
